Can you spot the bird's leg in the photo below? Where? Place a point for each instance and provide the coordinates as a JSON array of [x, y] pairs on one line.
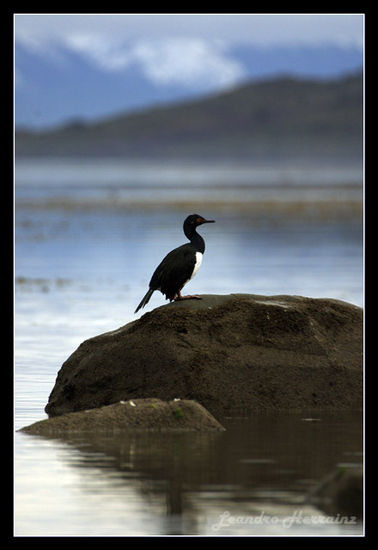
[[188, 297]]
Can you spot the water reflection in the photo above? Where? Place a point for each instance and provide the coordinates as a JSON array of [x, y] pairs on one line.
[[185, 483]]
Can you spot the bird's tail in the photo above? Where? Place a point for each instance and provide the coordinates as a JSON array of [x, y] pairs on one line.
[[145, 300]]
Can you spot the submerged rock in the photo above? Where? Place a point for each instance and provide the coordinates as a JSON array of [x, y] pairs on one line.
[[341, 492], [233, 354], [138, 414]]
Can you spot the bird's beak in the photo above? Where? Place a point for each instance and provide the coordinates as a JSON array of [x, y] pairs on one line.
[[207, 221]]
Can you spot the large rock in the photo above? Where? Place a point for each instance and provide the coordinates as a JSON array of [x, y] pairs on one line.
[[233, 354]]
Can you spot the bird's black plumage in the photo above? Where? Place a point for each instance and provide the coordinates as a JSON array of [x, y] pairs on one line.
[[178, 267]]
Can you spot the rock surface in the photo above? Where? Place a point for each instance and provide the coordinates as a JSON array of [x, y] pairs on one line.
[[234, 354], [138, 414]]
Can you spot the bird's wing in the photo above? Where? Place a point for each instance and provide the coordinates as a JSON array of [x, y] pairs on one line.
[[174, 270]]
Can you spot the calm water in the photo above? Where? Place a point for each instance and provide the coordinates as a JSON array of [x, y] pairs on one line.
[[88, 237]]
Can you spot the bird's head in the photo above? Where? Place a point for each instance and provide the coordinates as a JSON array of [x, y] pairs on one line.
[[194, 220]]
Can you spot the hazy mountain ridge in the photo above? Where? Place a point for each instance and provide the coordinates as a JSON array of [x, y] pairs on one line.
[[274, 118], [51, 89]]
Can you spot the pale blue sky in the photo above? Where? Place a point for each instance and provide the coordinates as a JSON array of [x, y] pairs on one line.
[[259, 29]]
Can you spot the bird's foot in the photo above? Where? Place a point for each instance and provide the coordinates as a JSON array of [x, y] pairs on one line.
[[188, 297]]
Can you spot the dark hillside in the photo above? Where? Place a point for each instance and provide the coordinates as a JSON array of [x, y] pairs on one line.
[[275, 119]]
